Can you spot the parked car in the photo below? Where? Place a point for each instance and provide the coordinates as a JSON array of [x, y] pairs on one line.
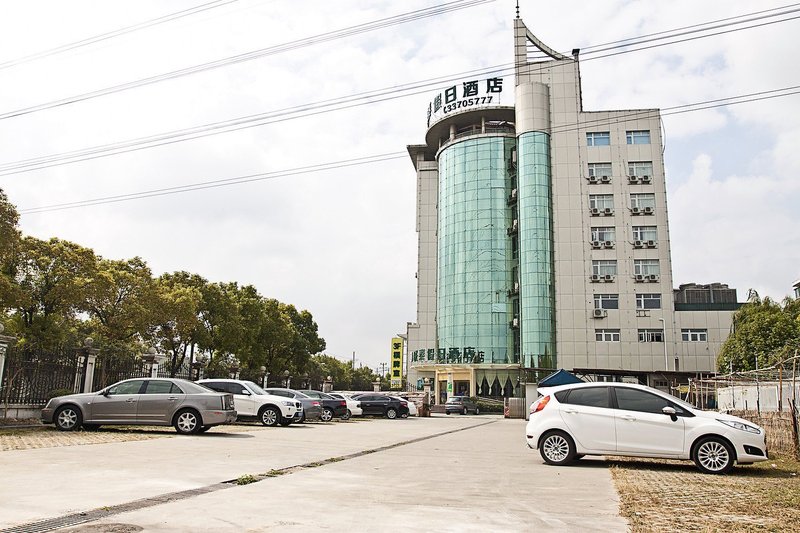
[[331, 407], [383, 405], [461, 404], [412, 407], [312, 408], [189, 407], [253, 402], [570, 421], [353, 405]]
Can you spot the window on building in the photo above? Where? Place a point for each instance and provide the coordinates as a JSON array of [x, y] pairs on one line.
[[604, 267], [642, 200], [606, 301], [638, 137], [645, 233], [603, 233], [606, 335], [648, 301], [598, 170], [607, 379], [601, 201], [694, 335], [598, 138], [646, 267], [651, 335], [640, 168]]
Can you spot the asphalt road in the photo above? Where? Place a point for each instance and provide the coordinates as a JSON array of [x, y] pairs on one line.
[[462, 473]]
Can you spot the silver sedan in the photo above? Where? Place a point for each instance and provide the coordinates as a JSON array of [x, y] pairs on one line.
[[189, 407]]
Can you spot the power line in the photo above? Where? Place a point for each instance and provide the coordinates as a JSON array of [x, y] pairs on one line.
[[305, 110], [115, 33], [632, 115], [249, 178], [277, 49]]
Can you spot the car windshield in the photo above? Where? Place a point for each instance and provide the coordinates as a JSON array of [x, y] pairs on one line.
[[189, 387], [255, 388]]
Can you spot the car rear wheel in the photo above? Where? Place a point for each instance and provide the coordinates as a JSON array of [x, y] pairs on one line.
[[269, 416], [391, 413], [327, 415], [557, 448], [347, 415], [464, 411], [477, 410], [68, 418], [713, 455], [187, 422]]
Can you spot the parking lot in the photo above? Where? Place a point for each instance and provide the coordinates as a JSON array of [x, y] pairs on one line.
[[464, 473]]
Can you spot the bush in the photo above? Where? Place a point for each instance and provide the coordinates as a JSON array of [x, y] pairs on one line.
[[490, 407], [58, 392]]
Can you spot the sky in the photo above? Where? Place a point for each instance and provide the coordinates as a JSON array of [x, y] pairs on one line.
[[341, 242]]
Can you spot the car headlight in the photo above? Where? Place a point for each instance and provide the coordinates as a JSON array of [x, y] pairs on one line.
[[289, 404], [740, 425]]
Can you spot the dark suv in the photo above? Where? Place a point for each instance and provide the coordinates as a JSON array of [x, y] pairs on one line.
[[461, 405], [331, 407], [382, 405]]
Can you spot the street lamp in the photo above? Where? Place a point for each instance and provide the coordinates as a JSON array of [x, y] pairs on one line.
[[287, 378], [664, 338], [263, 370]]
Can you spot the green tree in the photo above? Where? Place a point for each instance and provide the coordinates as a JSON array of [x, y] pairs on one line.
[[52, 279], [178, 327], [9, 241], [363, 378], [761, 328], [222, 329], [122, 301]]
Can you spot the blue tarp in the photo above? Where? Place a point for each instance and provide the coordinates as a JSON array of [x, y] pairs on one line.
[[560, 377]]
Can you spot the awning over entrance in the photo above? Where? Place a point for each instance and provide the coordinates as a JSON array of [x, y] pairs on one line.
[[560, 377]]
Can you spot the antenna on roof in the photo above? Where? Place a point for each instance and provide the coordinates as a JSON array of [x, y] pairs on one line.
[[517, 8]]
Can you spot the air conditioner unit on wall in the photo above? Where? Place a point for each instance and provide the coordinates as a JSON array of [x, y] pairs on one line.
[[608, 277], [609, 244], [608, 211], [605, 179], [596, 244], [633, 179], [638, 244], [648, 210], [653, 277], [651, 244], [635, 210], [594, 211], [599, 313], [594, 277], [646, 179], [638, 277], [593, 179]]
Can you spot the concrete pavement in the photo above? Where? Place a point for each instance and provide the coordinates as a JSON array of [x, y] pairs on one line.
[[460, 475]]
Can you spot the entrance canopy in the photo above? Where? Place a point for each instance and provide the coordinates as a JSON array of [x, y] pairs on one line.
[[560, 377]]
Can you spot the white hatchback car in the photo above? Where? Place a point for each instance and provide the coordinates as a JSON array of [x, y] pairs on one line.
[[570, 421]]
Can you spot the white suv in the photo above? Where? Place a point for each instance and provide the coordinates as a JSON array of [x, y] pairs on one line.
[[570, 421], [252, 401]]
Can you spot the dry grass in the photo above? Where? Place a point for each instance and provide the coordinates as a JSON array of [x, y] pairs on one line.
[[657, 495]]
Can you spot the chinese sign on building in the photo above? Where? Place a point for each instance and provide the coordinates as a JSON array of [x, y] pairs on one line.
[[467, 94], [396, 363]]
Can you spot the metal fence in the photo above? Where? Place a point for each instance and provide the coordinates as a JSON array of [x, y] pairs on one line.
[[113, 367], [30, 377]]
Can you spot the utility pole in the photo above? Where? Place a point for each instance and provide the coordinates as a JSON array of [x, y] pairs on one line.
[[354, 360]]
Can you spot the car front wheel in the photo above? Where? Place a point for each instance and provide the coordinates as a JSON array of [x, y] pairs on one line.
[[713, 455], [68, 418], [391, 413], [269, 416], [327, 415], [557, 448], [187, 422]]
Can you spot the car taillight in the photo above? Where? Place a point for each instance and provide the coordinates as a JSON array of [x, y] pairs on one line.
[[404, 404], [343, 403], [315, 404], [539, 404]]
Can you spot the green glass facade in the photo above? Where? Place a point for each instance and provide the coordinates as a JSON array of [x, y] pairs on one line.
[[537, 283], [474, 249]]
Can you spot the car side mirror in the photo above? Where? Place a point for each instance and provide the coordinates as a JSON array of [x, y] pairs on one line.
[[671, 412], [245, 392], [105, 392]]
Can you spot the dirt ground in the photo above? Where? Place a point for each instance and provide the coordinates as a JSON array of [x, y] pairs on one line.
[[657, 495]]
